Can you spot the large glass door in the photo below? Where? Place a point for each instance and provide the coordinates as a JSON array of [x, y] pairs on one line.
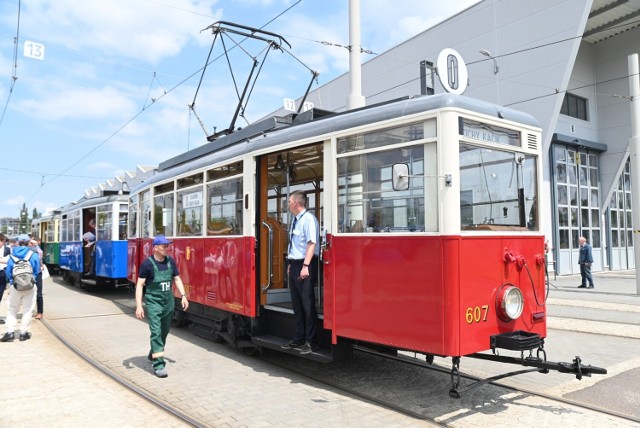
[[577, 202], [620, 223]]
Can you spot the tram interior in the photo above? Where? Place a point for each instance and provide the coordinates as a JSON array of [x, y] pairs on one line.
[[297, 169]]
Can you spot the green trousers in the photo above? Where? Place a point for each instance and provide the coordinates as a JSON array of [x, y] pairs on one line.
[[160, 307]]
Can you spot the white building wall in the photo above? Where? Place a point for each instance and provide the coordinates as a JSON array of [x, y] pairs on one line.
[[540, 55]]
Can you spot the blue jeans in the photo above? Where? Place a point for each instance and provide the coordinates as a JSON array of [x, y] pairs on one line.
[[39, 302]]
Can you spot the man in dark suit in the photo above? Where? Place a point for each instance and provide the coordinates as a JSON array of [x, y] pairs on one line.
[[585, 260]]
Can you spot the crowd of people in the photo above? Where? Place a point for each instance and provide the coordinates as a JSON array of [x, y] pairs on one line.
[[21, 270]]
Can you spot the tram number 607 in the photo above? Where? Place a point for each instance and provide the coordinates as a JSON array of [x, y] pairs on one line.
[[477, 314]]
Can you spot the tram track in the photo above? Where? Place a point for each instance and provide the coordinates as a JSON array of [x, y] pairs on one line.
[[439, 394], [300, 367], [141, 392], [426, 399], [586, 406]]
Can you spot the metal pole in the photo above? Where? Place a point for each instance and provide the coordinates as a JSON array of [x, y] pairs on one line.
[[355, 99], [634, 152]]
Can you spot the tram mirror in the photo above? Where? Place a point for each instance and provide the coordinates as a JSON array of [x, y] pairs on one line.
[[400, 176]]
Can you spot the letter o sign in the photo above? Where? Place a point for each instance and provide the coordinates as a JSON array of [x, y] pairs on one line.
[[452, 71]]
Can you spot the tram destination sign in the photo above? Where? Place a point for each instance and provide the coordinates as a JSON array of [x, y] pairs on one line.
[[488, 133]]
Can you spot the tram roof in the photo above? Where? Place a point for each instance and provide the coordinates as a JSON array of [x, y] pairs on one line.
[[274, 131], [89, 202]]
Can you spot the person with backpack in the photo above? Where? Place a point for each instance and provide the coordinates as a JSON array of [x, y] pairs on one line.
[[34, 245], [22, 267]]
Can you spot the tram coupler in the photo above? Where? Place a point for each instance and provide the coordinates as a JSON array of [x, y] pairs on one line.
[[544, 366], [539, 364]]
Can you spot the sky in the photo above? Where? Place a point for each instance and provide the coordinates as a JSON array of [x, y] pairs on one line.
[[93, 88]]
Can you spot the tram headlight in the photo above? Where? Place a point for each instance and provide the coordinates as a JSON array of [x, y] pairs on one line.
[[510, 303]]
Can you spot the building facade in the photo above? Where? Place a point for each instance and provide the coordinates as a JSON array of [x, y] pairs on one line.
[[564, 62]]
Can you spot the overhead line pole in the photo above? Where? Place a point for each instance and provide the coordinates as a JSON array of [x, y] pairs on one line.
[[634, 155], [355, 99]]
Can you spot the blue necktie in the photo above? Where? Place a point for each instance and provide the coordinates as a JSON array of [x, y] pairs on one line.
[[295, 220]]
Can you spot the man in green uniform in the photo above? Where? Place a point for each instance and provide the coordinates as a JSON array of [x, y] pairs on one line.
[[157, 272]]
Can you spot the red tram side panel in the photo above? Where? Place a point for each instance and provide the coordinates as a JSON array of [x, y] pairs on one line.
[[431, 294], [217, 273]]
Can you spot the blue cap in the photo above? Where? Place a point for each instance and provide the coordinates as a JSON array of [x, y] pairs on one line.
[[23, 238], [161, 240]]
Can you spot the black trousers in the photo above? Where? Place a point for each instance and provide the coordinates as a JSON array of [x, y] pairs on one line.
[[304, 300], [3, 283]]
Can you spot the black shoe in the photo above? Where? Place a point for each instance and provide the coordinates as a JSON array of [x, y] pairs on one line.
[[591, 286], [308, 348], [8, 337], [582, 286], [293, 345], [25, 336], [2, 321]]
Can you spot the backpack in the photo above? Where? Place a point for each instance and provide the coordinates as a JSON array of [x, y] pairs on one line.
[[23, 273]]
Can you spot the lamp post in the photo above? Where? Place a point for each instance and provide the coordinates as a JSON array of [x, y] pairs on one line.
[[495, 63], [495, 72]]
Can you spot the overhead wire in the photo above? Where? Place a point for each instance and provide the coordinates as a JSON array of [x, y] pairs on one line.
[[14, 75], [180, 83], [134, 117]]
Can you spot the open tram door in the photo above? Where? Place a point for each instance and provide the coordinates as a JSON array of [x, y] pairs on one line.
[[279, 174]]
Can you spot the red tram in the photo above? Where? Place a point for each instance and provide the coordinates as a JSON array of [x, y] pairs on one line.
[[431, 239]]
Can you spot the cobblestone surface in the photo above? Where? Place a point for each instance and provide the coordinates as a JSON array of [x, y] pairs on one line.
[[220, 386]]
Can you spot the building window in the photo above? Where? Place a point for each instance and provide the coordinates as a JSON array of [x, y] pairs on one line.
[[574, 106]]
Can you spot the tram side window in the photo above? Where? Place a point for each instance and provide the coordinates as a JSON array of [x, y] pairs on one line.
[[224, 208], [73, 232], [497, 189], [163, 214], [146, 209], [122, 226], [64, 227], [189, 212], [103, 228], [133, 215], [367, 200]]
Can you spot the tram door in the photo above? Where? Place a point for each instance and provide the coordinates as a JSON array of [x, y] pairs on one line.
[[279, 174]]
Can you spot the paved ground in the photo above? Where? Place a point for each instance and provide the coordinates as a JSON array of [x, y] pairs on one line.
[[221, 387]]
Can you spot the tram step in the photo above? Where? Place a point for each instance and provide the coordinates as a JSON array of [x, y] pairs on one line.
[[274, 342]]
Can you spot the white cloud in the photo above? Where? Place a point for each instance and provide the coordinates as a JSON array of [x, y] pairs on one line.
[[78, 103], [134, 29]]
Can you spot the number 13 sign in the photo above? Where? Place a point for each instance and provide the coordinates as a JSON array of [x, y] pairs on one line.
[[34, 50]]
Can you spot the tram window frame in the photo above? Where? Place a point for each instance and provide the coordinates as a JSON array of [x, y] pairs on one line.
[[225, 225], [74, 232], [132, 226], [104, 220], [63, 228], [163, 208], [381, 138], [225, 171], [382, 206], [193, 226], [191, 180], [499, 219], [146, 210]]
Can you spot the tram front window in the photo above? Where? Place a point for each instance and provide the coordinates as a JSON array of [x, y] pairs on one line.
[[497, 189]]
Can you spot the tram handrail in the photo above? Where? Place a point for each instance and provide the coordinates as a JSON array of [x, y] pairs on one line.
[[270, 256]]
